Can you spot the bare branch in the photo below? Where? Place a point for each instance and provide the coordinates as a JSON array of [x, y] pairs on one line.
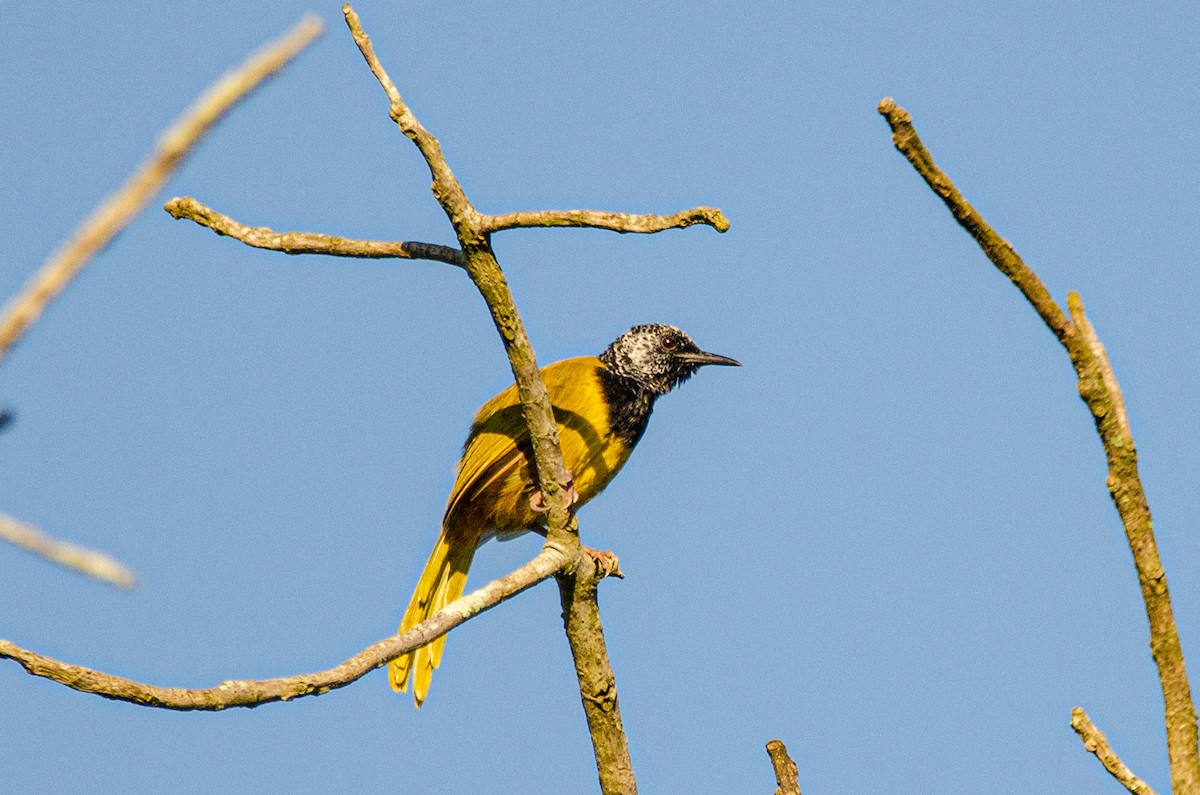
[[485, 272], [1096, 743], [597, 683], [787, 777], [115, 212], [615, 222], [308, 242], [81, 559], [1099, 389], [997, 249], [251, 693], [446, 188]]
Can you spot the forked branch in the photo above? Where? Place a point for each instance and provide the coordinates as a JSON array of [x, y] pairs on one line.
[[562, 553], [1100, 391]]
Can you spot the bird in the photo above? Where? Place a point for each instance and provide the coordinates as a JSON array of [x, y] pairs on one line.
[[601, 406]]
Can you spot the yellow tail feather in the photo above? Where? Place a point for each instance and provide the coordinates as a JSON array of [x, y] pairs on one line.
[[442, 581]]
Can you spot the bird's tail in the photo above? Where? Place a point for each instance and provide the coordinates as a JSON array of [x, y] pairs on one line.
[[442, 582]]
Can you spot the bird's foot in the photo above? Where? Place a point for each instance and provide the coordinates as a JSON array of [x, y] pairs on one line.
[[607, 563], [537, 503]]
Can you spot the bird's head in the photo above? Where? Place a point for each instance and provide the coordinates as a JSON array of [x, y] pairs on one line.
[[658, 357]]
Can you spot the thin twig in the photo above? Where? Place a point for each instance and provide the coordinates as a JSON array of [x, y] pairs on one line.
[[308, 242], [446, 187], [1096, 743], [1099, 389], [115, 212], [998, 250], [86, 561], [251, 693], [787, 776], [615, 222]]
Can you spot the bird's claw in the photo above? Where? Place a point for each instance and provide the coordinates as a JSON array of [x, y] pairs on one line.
[[537, 503], [607, 563]]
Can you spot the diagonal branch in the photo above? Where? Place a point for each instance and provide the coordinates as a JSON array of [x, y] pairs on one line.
[[308, 242], [89, 562], [116, 211], [1099, 390], [251, 693], [1096, 743], [614, 222], [446, 187], [997, 249], [173, 147]]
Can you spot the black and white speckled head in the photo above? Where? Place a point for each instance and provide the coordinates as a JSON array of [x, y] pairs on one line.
[[658, 357]]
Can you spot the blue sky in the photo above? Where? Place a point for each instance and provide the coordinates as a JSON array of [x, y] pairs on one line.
[[886, 539]]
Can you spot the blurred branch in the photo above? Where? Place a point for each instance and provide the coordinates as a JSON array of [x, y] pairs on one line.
[[1099, 390], [105, 223], [308, 242], [251, 693], [1096, 743], [115, 212], [787, 776], [83, 560]]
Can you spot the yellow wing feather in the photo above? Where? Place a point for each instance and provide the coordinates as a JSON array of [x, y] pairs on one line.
[[494, 483]]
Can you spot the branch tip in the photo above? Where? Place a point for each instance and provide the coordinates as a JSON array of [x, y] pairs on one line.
[[187, 208], [1095, 742], [787, 775], [88, 562]]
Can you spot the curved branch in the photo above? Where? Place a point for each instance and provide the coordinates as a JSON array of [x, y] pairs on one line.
[[1096, 743], [173, 147], [615, 222], [1099, 390], [307, 242], [251, 693], [89, 562]]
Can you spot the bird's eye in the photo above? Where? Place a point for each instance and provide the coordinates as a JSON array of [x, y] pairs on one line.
[[670, 342]]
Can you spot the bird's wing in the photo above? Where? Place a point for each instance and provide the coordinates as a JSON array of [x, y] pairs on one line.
[[499, 438]]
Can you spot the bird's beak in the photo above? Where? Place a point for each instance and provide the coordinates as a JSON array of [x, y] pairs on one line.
[[700, 358]]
